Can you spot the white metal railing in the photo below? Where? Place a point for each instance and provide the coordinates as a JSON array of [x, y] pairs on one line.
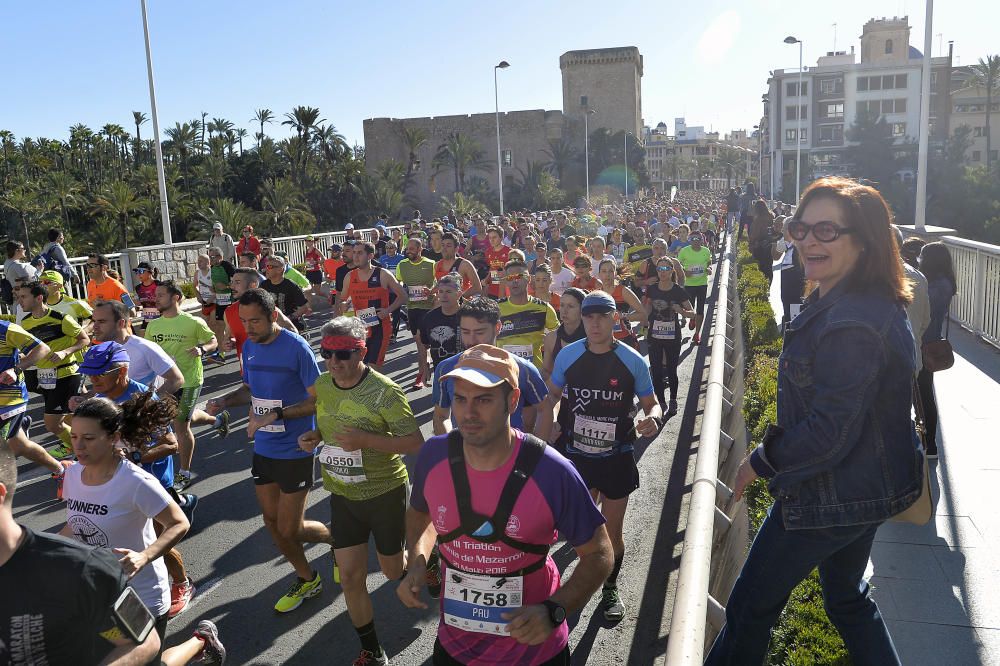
[[977, 271], [694, 606]]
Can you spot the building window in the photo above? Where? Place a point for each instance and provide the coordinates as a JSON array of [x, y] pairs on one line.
[[583, 100], [976, 156], [831, 110], [899, 129], [803, 134], [792, 89], [828, 86], [977, 131], [507, 158], [933, 79], [862, 84], [894, 105], [901, 81], [869, 108], [508, 182], [831, 133], [888, 46], [790, 135], [993, 155], [961, 108], [790, 112]]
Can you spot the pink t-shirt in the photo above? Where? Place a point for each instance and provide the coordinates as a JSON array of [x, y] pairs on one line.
[[554, 500]]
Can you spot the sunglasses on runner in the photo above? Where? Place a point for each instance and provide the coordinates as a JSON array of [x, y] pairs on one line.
[[339, 354], [514, 277], [824, 232], [140, 271], [89, 265], [664, 269]]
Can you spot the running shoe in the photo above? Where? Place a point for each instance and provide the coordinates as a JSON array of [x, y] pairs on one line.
[[299, 592], [418, 383], [696, 340], [182, 482], [366, 658], [222, 423], [180, 597], [614, 609], [433, 577], [61, 452], [190, 504], [60, 476], [672, 408], [213, 651]]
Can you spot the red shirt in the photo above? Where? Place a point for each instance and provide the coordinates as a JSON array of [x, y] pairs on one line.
[[232, 316], [497, 259], [314, 259], [250, 244]]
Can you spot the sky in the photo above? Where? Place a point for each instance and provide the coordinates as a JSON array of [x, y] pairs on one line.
[[69, 62]]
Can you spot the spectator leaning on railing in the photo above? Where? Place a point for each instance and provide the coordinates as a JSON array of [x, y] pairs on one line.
[[843, 457]]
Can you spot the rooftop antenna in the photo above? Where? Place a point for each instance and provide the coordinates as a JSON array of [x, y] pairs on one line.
[[835, 39], [940, 47]]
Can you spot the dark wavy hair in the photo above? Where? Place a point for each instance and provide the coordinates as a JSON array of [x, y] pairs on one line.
[[868, 216], [138, 420], [935, 262]]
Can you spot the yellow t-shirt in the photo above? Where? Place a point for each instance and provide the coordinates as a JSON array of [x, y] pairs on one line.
[[523, 328]]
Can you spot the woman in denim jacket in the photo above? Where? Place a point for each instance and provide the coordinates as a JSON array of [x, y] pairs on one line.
[[844, 456]]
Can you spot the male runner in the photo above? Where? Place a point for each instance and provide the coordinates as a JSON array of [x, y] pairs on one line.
[[416, 274], [498, 499], [55, 377], [19, 350], [479, 323], [596, 380], [288, 296], [148, 363], [497, 255], [279, 370], [103, 287], [525, 319], [58, 595], [451, 263], [439, 331], [186, 339], [696, 260], [60, 301], [235, 335], [368, 287], [365, 427], [313, 259], [221, 271]]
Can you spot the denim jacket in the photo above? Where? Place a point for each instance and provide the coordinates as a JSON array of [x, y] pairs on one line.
[[847, 451]]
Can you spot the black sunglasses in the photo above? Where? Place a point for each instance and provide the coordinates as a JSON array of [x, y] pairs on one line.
[[339, 354], [824, 232]]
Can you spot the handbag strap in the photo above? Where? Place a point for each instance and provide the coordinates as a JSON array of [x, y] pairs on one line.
[[947, 323]]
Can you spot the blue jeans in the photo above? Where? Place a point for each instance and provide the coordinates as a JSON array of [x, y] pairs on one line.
[[778, 561]]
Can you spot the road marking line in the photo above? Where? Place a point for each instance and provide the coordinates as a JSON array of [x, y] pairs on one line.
[[206, 590]]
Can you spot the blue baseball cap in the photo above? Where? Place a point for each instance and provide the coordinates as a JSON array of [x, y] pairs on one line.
[[598, 302], [101, 357]]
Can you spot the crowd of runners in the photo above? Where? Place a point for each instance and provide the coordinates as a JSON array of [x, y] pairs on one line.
[[565, 324]]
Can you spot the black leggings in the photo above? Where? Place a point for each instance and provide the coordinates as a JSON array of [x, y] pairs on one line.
[[663, 356], [925, 383]]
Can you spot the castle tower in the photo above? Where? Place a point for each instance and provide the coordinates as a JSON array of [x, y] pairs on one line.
[[885, 41], [609, 81]]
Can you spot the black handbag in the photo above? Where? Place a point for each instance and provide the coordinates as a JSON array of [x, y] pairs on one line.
[[938, 354]]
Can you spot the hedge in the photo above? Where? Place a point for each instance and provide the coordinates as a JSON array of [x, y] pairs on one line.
[[804, 634]]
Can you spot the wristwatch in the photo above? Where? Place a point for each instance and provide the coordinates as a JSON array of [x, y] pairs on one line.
[[557, 614], [279, 413], [135, 456]]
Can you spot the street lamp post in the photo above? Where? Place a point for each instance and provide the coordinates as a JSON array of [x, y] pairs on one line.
[[164, 208], [798, 122], [920, 213], [496, 98], [626, 164], [586, 148]]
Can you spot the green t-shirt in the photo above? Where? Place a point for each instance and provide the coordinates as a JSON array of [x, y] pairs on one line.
[[59, 332], [176, 335], [418, 278], [376, 404], [298, 278], [696, 261]]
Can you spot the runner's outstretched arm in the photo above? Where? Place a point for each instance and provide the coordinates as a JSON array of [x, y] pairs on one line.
[[420, 538]]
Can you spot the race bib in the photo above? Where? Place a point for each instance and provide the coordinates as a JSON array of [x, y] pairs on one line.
[[345, 465], [526, 352], [20, 409], [697, 270], [260, 407], [47, 378], [149, 314], [495, 276], [593, 436], [417, 294], [223, 299], [664, 330], [368, 317], [474, 602]]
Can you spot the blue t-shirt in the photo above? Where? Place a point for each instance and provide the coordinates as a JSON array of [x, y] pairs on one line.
[[529, 380], [390, 263], [678, 245], [278, 374], [599, 392], [162, 469]]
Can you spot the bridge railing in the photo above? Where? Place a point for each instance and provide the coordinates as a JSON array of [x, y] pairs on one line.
[[717, 531], [976, 306]]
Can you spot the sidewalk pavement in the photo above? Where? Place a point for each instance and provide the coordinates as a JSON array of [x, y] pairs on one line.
[[936, 584]]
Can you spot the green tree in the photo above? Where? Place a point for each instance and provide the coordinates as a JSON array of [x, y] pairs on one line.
[[986, 75], [262, 116], [460, 153], [286, 208], [414, 138], [562, 155], [871, 152], [183, 140], [118, 201], [64, 188], [140, 119]]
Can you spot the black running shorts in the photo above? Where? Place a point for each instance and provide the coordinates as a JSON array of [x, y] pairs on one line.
[[615, 476], [293, 475], [353, 521]]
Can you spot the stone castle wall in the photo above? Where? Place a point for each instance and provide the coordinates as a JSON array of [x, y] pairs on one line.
[[611, 79]]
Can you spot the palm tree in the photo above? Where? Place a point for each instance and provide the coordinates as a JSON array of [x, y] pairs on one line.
[[233, 215], [183, 139], [262, 116], [986, 75], [331, 142], [23, 200], [63, 187], [241, 134], [139, 118], [414, 138], [460, 153], [201, 127], [214, 170], [118, 201], [562, 155], [304, 119], [283, 201]]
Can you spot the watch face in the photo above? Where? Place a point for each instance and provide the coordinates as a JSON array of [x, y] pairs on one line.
[[558, 614]]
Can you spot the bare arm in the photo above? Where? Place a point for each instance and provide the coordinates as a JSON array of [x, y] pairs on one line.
[[468, 271], [420, 538], [82, 342], [175, 525], [165, 446], [596, 560], [547, 410], [34, 356], [638, 312], [284, 322], [396, 288], [548, 358], [352, 439], [173, 381], [127, 653]]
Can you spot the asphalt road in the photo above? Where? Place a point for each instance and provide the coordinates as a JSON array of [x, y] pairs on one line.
[[239, 574]]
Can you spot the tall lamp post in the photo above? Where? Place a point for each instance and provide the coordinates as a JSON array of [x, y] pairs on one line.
[[770, 178], [798, 122], [626, 163], [586, 147], [496, 98], [920, 213], [164, 208]]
